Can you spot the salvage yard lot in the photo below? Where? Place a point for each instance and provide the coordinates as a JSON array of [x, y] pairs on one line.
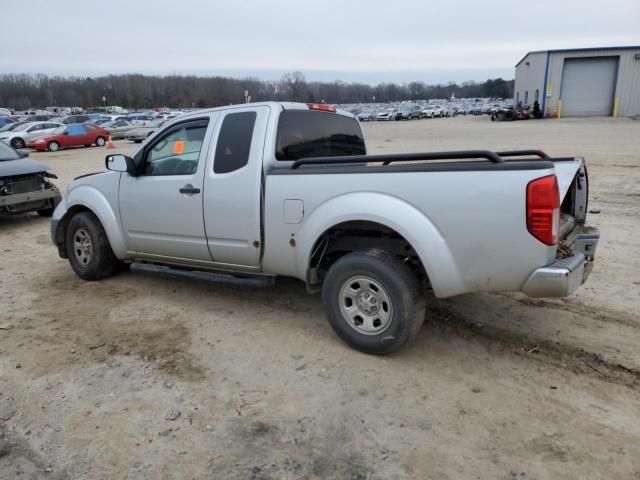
[[147, 377]]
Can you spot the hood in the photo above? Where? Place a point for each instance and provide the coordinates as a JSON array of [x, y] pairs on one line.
[[21, 166]]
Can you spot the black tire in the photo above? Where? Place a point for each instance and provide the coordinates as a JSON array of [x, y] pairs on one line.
[[509, 115], [53, 146], [17, 143], [406, 305], [100, 141], [102, 262]]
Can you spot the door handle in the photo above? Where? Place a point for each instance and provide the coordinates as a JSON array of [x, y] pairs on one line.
[[190, 189]]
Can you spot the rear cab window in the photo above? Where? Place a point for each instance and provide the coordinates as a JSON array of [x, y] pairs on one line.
[[308, 133]]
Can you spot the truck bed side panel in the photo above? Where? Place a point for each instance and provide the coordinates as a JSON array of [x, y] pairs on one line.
[[476, 218]]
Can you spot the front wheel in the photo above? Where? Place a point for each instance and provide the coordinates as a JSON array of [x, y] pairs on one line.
[[88, 248], [53, 146], [373, 301]]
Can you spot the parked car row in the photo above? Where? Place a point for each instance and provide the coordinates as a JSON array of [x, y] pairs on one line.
[[425, 109], [50, 131], [52, 136], [408, 113]]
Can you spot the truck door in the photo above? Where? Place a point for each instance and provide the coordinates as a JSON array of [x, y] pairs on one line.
[[161, 210], [233, 187]]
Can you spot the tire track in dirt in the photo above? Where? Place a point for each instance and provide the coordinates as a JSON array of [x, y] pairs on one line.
[[569, 305], [575, 359]]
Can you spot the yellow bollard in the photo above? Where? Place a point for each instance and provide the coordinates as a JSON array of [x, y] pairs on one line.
[[615, 107], [559, 108]]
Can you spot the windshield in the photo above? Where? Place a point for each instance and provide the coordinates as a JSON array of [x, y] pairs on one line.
[[7, 153], [8, 127], [22, 128]]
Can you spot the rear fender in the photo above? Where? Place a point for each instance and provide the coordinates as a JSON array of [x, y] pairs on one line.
[[395, 214]]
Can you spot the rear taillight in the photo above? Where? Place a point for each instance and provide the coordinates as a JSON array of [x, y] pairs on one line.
[[322, 107], [543, 209]]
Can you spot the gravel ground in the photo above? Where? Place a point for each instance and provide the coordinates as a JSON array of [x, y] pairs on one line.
[[146, 377]]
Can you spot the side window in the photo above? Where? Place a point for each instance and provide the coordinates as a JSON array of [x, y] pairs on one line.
[[35, 128], [76, 129], [177, 151], [234, 142], [89, 128]]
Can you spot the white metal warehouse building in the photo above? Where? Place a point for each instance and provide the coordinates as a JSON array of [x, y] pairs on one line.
[[581, 81]]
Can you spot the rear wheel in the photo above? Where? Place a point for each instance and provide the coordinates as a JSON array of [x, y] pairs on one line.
[[373, 301], [17, 143], [88, 248], [53, 146], [100, 141]]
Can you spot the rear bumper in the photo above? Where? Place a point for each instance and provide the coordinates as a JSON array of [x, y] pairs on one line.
[[564, 276]]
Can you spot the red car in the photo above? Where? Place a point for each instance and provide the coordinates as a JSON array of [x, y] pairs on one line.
[[74, 135]]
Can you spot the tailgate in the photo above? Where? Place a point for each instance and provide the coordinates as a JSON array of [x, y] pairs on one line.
[[573, 185], [567, 170]]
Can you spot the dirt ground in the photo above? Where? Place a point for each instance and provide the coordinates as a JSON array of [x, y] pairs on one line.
[[146, 377]]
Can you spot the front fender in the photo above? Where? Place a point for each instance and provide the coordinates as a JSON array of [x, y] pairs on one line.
[[89, 197], [393, 213]]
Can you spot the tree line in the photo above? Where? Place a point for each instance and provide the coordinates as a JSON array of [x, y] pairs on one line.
[[23, 91]]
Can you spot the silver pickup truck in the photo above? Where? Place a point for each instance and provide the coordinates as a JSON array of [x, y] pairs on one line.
[[249, 192]]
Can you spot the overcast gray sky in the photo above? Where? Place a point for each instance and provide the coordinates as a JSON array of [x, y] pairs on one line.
[[350, 40]]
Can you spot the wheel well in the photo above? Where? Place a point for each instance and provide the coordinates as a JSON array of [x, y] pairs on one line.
[[62, 227], [348, 237]]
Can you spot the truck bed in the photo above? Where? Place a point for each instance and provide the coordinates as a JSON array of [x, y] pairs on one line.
[[462, 206]]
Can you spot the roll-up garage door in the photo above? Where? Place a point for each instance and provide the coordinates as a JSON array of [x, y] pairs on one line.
[[588, 85]]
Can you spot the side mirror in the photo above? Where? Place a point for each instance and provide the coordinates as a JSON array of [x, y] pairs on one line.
[[65, 132], [120, 163]]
